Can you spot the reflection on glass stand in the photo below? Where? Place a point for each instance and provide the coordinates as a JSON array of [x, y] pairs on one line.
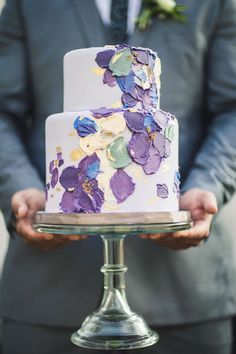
[[114, 325]]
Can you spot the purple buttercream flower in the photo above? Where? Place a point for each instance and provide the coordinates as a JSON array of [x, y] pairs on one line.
[[162, 191], [148, 146], [103, 58], [109, 79], [122, 185], [80, 182]]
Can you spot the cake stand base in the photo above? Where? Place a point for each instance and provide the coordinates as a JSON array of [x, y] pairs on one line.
[[114, 325], [108, 332]]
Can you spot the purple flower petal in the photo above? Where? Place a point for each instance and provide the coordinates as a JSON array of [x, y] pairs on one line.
[[162, 191], [97, 200], [146, 102], [128, 100], [55, 175], [109, 79], [103, 58], [138, 148], [59, 156], [104, 112], [135, 121], [85, 126], [159, 143], [126, 83], [67, 202], [153, 163], [142, 56], [137, 93], [51, 166], [161, 118], [61, 162], [69, 177], [122, 185], [82, 201]]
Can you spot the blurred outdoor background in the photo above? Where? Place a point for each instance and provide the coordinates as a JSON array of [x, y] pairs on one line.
[[3, 232]]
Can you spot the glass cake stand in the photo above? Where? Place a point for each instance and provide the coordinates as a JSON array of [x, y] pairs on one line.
[[114, 325]]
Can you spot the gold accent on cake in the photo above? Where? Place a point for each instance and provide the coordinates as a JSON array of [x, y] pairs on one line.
[[73, 133], [76, 154], [98, 71]]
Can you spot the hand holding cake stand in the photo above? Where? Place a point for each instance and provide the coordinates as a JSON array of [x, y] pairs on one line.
[[113, 325]]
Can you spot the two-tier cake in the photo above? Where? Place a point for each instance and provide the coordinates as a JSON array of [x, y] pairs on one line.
[[112, 149]]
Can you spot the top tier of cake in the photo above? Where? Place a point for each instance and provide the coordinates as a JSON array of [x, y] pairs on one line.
[[111, 76]]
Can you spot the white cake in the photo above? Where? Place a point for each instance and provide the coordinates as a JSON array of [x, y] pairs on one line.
[[112, 149]]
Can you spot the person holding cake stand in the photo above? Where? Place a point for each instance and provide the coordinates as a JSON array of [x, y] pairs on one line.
[[189, 296]]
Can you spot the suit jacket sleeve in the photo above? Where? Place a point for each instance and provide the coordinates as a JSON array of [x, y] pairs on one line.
[[16, 169], [214, 168]]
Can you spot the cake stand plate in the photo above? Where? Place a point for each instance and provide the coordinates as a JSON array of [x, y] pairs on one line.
[[113, 325]]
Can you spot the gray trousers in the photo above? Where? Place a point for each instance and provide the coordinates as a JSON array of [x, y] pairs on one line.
[[213, 337]]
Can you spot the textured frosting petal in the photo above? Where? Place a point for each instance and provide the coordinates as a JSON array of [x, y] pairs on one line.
[[118, 154], [122, 185], [85, 126], [114, 124], [162, 191], [142, 56], [153, 163], [109, 79], [103, 58], [138, 148], [69, 177], [55, 175], [135, 121], [126, 83], [67, 202], [169, 132], [121, 62]]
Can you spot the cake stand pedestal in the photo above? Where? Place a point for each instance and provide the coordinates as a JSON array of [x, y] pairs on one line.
[[114, 325]]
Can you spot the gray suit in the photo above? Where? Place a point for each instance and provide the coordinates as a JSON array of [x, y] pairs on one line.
[[198, 86]]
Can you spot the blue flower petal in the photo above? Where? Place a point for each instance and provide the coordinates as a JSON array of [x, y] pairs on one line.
[[85, 126]]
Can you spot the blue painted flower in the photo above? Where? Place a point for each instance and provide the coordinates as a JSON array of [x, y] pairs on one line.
[[85, 126]]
